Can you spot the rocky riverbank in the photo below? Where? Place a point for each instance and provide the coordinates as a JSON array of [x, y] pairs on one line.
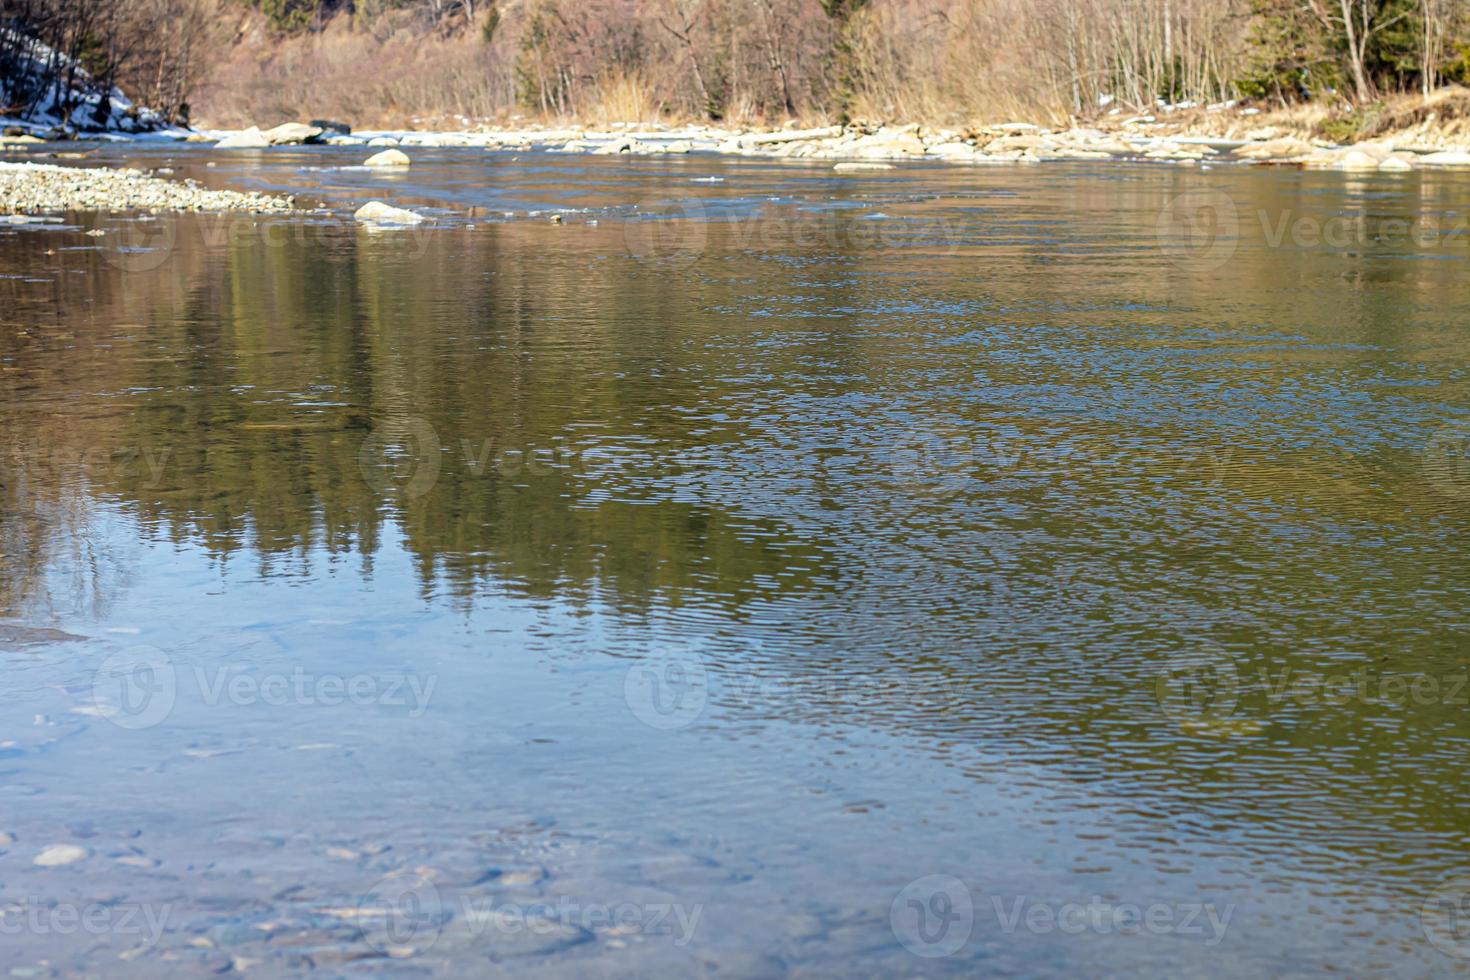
[[34, 188], [879, 147]]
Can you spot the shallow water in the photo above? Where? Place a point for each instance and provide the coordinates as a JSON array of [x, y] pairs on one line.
[[1026, 571]]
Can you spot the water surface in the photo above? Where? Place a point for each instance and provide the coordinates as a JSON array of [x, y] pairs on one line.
[[1024, 571]]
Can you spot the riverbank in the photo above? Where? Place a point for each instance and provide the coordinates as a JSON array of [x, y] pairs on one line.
[[35, 188], [1192, 137]]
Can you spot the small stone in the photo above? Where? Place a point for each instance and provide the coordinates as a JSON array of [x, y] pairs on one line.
[[61, 854], [138, 861]]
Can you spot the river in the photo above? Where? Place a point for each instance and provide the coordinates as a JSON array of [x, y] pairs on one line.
[[1035, 571]]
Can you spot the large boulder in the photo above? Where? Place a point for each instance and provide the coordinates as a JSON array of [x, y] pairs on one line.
[[387, 158], [953, 151], [245, 139], [332, 126], [382, 141], [887, 144], [289, 133], [378, 213], [1357, 160]]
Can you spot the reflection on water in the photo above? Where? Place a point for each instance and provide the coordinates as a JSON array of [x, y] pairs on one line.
[[921, 568]]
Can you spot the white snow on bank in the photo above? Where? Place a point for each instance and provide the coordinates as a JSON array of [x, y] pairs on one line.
[[49, 115]]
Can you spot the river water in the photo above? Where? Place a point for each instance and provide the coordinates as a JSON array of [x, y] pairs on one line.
[[761, 571]]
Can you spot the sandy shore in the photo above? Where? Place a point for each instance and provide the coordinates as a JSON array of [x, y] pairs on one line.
[[35, 188]]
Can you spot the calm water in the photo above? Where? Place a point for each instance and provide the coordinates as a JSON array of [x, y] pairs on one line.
[[942, 571]]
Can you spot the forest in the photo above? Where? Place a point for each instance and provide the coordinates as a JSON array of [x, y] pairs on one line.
[[729, 61]]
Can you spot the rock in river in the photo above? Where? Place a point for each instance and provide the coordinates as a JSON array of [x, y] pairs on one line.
[[376, 212], [59, 854], [291, 132], [387, 158], [246, 139]]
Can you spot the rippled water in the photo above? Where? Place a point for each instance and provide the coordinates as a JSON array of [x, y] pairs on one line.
[[1035, 571]]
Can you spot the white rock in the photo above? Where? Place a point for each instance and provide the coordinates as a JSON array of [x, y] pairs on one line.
[[376, 212], [246, 139], [291, 132], [382, 141], [1357, 160], [59, 854], [855, 166], [1396, 163], [953, 151], [387, 158]]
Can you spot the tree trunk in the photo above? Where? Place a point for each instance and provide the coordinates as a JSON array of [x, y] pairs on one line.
[[1356, 52]]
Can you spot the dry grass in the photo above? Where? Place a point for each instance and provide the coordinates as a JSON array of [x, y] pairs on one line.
[[623, 98]]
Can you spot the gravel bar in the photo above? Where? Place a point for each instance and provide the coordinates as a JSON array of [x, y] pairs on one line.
[[34, 188]]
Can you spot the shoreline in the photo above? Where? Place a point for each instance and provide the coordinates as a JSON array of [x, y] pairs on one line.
[[28, 186], [40, 188], [1141, 139]]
